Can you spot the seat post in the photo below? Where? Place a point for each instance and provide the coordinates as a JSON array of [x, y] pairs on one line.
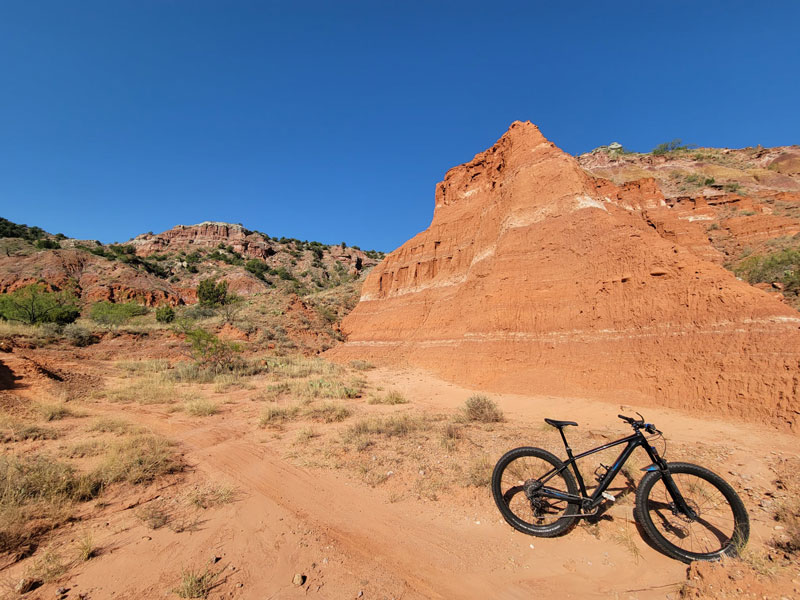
[[566, 445]]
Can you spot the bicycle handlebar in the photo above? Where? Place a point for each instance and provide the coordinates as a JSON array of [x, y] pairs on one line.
[[640, 424]]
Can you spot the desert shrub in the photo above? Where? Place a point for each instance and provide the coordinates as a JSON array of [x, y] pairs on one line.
[[33, 491], [165, 314], [138, 459], [257, 267], [480, 408], [329, 412], [34, 304], [329, 388], [361, 365], [79, 336], [277, 415], [212, 293], [392, 397], [667, 147], [46, 244], [195, 584], [201, 407], [781, 266], [300, 367], [110, 313], [212, 353]]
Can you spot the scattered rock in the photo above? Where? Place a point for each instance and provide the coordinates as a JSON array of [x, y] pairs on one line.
[[26, 584], [298, 579]]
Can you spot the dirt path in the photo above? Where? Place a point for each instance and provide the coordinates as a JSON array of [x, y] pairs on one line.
[[349, 539]]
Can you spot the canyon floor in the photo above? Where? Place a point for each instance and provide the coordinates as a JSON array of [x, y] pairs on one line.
[[350, 481]]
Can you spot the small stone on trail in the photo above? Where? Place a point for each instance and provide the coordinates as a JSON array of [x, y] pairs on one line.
[[298, 579], [26, 584]]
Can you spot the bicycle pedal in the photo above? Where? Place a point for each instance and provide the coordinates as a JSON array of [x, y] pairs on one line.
[[608, 497]]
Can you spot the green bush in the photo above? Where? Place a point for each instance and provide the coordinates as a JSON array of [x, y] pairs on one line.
[[110, 313], [212, 293], [79, 336], [35, 304], [668, 147], [165, 314], [46, 244], [257, 267], [782, 266], [212, 353]]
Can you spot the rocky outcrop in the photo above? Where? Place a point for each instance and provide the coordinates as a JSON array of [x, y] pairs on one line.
[[536, 277], [93, 278], [205, 235]]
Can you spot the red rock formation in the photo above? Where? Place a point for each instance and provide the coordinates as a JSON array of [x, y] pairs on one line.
[[535, 277], [92, 277]]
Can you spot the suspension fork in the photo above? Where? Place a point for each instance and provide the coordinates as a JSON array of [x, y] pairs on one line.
[[669, 482]]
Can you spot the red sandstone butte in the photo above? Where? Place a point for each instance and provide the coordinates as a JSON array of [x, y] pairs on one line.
[[536, 277]]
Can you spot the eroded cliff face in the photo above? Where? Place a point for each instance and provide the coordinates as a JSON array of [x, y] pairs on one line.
[[536, 277]]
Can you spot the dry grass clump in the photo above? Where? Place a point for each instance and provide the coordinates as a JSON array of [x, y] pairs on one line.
[[110, 425], [298, 367], [201, 407], [481, 409], [275, 391], [275, 416], [361, 365], [330, 412], [33, 493], [196, 584], [306, 434], [86, 548], [84, 449], [479, 471], [157, 365], [145, 391], [328, 388], [13, 430], [153, 514], [360, 434], [137, 459], [47, 567], [391, 397], [211, 495], [55, 412], [451, 434]]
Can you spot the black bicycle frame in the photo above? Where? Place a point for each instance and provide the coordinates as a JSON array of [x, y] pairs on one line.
[[590, 502]]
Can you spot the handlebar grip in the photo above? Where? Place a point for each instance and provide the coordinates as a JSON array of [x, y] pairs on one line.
[[626, 419]]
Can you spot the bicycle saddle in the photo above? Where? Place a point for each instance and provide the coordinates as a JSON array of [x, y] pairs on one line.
[[559, 424]]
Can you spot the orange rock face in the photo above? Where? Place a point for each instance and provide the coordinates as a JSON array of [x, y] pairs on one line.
[[536, 277]]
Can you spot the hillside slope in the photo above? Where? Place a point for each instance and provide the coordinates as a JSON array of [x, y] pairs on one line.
[[537, 277]]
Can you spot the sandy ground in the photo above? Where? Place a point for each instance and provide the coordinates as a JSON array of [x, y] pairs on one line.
[[350, 540]]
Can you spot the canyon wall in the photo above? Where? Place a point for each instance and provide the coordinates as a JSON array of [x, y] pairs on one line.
[[536, 277]]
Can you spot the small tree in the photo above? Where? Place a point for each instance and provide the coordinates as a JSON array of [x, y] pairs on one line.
[[109, 313], [35, 304], [211, 293], [211, 352], [165, 314]]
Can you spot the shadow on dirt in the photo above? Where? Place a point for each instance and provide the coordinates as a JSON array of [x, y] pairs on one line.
[[7, 378]]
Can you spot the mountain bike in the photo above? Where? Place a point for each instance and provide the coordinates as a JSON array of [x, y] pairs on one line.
[[686, 511]]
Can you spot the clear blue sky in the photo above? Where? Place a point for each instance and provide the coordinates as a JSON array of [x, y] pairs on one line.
[[333, 121]]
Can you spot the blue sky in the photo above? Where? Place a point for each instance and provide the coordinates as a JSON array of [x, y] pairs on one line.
[[333, 121]]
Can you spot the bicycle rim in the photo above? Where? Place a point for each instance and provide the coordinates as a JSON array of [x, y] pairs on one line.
[[710, 533], [539, 511]]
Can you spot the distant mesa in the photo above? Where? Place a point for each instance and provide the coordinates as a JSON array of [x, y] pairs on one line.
[[538, 277]]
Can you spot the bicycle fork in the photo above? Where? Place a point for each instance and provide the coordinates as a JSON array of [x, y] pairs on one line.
[[659, 464]]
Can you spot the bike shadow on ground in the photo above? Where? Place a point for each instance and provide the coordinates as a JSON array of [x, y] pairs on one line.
[[621, 493]]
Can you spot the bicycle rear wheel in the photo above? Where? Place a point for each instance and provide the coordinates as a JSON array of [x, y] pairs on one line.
[[516, 476], [721, 527]]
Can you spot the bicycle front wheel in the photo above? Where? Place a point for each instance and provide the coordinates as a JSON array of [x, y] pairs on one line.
[[721, 527], [517, 476]]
